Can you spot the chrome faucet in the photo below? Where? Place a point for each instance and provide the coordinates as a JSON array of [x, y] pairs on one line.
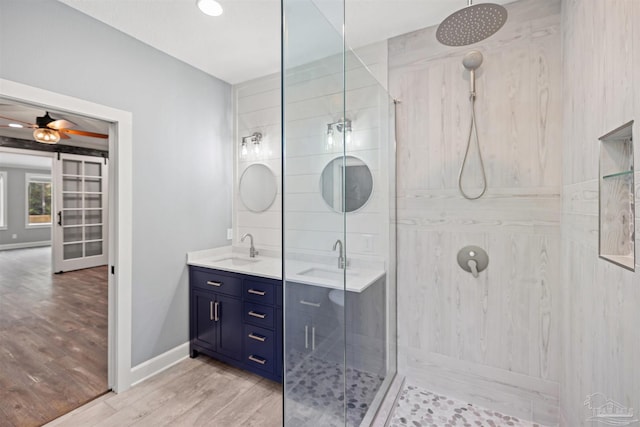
[[252, 250], [341, 260]]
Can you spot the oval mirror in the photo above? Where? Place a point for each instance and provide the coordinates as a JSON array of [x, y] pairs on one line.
[[358, 183], [258, 187]]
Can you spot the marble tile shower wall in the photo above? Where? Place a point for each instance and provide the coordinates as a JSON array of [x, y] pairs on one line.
[[315, 99], [492, 341], [601, 344]]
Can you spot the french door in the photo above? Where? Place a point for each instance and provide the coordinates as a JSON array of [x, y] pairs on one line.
[[80, 230]]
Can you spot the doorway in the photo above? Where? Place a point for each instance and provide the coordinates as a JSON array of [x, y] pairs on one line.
[[53, 327], [120, 216]]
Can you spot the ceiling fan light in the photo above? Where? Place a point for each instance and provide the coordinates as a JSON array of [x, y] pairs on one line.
[[209, 7], [46, 136]]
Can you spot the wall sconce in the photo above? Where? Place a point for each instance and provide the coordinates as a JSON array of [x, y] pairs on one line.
[[342, 126], [254, 139]]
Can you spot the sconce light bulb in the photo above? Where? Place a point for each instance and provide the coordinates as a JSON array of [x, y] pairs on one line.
[[256, 147], [330, 139], [347, 137], [244, 150]]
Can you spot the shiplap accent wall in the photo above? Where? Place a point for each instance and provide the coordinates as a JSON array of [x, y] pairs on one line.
[[494, 340], [314, 99], [601, 301]]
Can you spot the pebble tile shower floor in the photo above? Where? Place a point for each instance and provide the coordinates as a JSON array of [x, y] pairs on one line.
[[314, 393], [418, 407]]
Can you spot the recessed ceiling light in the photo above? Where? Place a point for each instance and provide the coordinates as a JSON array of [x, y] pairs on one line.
[[15, 125], [210, 7]]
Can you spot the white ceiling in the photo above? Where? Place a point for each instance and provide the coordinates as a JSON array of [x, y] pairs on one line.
[[244, 43]]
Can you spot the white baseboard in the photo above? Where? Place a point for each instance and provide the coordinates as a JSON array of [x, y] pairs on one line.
[[24, 245], [159, 363]]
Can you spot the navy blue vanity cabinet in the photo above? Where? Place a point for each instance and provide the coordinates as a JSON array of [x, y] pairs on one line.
[[237, 319], [216, 314]]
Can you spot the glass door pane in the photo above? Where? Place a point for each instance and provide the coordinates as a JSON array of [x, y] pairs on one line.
[[314, 241], [81, 213]]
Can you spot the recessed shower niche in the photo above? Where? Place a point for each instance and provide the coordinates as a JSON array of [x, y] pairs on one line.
[[617, 214]]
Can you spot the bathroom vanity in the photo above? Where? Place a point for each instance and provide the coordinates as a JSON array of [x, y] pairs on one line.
[[236, 311], [237, 319]]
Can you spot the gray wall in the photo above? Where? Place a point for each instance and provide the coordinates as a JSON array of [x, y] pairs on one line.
[[601, 301], [16, 204], [494, 340], [182, 158]]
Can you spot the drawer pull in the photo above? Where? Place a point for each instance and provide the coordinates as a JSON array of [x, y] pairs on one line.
[[212, 283], [257, 359], [255, 292], [257, 337], [258, 315], [312, 304]]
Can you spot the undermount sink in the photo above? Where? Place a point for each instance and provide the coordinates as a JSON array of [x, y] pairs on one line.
[[237, 261], [325, 273]]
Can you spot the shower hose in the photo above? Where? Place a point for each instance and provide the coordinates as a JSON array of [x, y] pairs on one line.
[[472, 126]]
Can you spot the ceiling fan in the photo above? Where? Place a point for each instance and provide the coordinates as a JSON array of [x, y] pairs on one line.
[[49, 130]]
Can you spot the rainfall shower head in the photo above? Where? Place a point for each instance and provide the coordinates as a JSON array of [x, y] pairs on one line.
[[472, 24], [472, 60]]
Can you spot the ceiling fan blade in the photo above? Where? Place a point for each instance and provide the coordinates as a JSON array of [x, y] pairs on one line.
[[83, 133], [63, 135], [60, 124], [26, 124]]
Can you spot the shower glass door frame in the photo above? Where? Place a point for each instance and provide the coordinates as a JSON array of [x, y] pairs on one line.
[[339, 346]]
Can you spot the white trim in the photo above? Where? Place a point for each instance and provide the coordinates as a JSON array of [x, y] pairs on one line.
[[35, 177], [120, 228], [151, 367], [25, 245]]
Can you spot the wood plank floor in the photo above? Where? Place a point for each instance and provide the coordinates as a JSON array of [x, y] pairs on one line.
[[53, 338], [194, 392]]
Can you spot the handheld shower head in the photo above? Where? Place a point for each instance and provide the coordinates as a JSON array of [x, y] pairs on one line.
[[472, 60]]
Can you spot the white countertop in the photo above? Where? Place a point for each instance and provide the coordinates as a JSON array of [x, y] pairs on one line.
[[227, 258]]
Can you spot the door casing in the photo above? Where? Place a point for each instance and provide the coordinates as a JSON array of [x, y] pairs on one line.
[[120, 215]]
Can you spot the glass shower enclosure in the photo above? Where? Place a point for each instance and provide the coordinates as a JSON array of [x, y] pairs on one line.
[[339, 254]]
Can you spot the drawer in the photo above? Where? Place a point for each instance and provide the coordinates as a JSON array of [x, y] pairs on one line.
[[259, 363], [259, 341], [260, 292], [213, 280], [259, 315], [308, 299]]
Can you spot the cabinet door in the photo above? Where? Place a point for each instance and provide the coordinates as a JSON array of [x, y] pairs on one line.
[[230, 326], [204, 331]]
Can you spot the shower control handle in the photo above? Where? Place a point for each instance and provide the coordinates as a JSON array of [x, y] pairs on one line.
[[473, 259], [473, 265]]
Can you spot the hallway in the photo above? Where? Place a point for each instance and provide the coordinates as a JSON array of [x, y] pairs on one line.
[[53, 337]]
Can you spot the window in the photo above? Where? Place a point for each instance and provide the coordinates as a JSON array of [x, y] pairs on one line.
[[38, 200], [3, 199]]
